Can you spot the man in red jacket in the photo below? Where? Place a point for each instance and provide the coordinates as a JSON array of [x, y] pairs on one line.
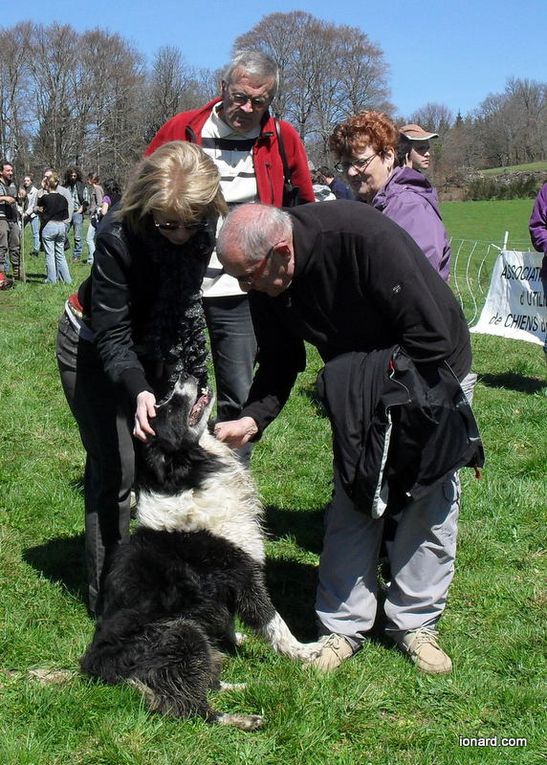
[[239, 134]]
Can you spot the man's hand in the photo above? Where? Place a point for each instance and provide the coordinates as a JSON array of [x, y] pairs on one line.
[[236, 433], [145, 411]]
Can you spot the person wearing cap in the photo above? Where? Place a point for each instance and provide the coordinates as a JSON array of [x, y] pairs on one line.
[[414, 146], [366, 146]]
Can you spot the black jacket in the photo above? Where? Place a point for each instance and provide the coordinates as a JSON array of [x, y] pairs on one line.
[[395, 435], [131, 274], [361, 283]]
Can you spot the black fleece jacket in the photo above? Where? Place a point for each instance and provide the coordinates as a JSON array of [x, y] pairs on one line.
[[120, 299], [361, 283]]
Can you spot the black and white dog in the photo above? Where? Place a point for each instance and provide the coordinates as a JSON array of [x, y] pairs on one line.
[[196, 560]]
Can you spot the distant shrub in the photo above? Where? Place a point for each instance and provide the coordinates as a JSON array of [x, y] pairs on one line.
[[508, 186]]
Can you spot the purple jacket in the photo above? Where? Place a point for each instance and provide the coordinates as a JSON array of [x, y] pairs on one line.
[[538, 227], [410, 200]]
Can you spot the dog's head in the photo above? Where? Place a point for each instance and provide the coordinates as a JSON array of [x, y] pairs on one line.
[[173, 458]]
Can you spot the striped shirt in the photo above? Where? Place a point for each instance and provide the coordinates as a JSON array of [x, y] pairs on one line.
[[232, 154]]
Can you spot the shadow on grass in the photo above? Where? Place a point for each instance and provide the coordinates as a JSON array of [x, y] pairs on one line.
[[292, 588], [61, 560], [310, 392], [291, 584], [305, 526], [35, 278], [513, 381]]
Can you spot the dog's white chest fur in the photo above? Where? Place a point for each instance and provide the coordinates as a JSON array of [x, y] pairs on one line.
[[226, 505]]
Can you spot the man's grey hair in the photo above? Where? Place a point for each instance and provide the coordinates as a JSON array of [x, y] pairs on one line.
[[267, 226], [255, 63]]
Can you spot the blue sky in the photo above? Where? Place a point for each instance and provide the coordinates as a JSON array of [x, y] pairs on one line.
[[453, 52]]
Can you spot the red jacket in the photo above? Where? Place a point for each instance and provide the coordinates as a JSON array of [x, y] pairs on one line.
[[268, 166]]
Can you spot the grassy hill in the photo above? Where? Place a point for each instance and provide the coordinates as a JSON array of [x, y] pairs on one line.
[[488, 220], [532, 167]]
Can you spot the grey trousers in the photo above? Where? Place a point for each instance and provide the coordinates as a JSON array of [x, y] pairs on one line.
[[9, 242], [105, 426], [421, 557], [233, 348]]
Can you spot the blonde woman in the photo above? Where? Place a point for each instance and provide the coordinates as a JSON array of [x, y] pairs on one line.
[[53, 211], [134, 326]]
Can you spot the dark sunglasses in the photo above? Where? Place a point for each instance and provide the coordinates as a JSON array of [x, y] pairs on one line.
[[169, 226]]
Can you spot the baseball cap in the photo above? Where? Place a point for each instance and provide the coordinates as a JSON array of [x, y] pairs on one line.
[[416, 133]]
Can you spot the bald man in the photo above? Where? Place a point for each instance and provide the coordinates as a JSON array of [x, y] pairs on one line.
[[345, 278]]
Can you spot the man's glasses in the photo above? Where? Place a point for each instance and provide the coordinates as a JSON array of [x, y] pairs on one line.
[[248, 280], [258, 102], [172, 226], [357, 164]]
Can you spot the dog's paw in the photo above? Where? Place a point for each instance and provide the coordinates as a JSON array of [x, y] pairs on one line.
[[308, 652], [243, 722], [232, 686], [239, 638]]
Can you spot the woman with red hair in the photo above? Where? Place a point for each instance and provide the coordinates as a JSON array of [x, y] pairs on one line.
[[366, 147]]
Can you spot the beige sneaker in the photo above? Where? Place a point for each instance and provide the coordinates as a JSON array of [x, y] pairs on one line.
[[424, 650], [336, 649]]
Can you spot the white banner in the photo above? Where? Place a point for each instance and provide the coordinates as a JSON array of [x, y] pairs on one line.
[[515, 305]]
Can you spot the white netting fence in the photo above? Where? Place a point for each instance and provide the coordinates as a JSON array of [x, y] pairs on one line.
[[471, 270]]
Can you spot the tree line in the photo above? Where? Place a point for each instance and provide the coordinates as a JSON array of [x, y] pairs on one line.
[[91, 100]]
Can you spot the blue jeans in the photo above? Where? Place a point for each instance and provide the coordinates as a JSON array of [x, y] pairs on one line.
[[35, 226], [53, 237], [90, 241], [77, 223]]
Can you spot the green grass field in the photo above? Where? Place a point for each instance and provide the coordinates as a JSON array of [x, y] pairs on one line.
[[540, 166], [376, 709], [487, 221]]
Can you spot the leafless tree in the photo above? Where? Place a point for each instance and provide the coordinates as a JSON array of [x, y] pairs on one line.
[[15, 106], [327, 71], [512, 126], [434, 117], [173, 87]]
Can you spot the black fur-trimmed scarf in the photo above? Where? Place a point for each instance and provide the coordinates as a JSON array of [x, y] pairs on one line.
[[177, 329]]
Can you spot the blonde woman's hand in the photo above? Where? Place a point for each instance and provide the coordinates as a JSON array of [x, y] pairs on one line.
[[146, 410]]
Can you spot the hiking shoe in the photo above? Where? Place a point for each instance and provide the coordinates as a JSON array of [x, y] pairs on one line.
[[424, 650], [5, 283], [336, 649]]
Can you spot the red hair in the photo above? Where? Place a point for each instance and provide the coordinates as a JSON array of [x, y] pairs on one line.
[[364, 129]]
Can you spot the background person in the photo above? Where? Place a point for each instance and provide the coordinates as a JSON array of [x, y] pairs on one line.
[[355, 285], [96, 193], [53, 209], [134, 327], [30, 214], [80, 200], [366, 146], [112, 195], [414, 142], [238, 132], [338, 187], [9, 225], [320, 188], [538, 234]]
